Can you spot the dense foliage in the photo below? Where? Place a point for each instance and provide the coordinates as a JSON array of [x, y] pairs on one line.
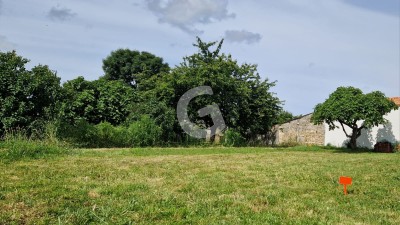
[[96, 101], [350, 107], [27, 97], [244, 99], [285, 116], [132, 67], [134, 103]]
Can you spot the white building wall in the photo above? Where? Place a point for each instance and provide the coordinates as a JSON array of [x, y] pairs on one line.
[[368, 138]]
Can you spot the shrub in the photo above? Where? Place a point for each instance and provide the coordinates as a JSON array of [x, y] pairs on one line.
[[82, 134], [396, 146], [233, 138], [105, 135], [144, 132], [108, 135]]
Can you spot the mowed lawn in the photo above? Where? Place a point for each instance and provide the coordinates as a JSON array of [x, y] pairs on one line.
[[202, 186]]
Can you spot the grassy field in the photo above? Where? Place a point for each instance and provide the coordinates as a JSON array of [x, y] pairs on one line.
[[202, 186]]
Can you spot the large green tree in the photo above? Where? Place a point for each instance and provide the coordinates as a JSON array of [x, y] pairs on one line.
[[97, 101], [350, 107], [26, 96], [132, 66], [244, 99]]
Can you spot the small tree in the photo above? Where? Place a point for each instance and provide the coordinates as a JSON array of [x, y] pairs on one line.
[[349, 106]]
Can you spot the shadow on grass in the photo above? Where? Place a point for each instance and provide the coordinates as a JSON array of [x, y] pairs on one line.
[[328, 148], [358, 150], [353, 151]]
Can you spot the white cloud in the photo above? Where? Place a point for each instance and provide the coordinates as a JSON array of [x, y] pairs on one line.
[[242, 36], [5, 45], [60, 14], [186, 14]]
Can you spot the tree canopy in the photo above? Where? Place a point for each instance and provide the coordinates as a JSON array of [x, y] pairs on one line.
[[26, 96], [97, 101], [350, 107], [284, 117], [132, 66], [244, 99]]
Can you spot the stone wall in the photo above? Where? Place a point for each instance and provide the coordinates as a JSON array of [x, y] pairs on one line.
[[302, 131]]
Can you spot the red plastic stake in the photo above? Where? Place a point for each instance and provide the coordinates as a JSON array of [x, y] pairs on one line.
[[345, 181]]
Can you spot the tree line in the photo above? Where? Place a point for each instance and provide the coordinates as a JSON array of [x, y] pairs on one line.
[[134, 102]]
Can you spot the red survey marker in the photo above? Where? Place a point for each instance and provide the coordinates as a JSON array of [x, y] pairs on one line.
[[345, 181]]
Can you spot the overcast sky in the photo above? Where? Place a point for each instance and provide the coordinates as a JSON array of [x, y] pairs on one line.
[[309, 46]]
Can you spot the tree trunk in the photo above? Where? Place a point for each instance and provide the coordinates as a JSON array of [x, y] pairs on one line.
[[353, 143], [353, 139]]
